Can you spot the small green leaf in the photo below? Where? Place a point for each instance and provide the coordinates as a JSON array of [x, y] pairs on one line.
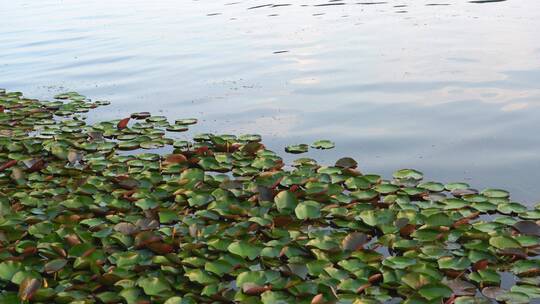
[[323, 144], [503, 242], [308, 210], [435, 291], [245, 249], [285, 201]]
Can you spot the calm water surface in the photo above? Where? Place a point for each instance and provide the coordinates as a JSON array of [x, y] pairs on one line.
[[448, 87]]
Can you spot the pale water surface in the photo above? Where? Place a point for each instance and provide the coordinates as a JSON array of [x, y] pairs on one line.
[[448, 87]]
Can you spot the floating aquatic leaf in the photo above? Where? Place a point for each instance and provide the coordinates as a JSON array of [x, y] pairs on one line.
[[454, 263], [347, 163], [408, 174], [514, 298], [471, 300], [55, 265], [156, 119], [503, 242], [386, 188], [250, 137], [154, 286], [323, 144], [297, 149], [140, 115], [485, 277], [526, 267], [509, 208], [286, 200], [8, 269], [435, 291], [308, 210], [431, 186], [177, 128], [244, 249], [186, 121], [398, 262], [122, 124], [496, 193]]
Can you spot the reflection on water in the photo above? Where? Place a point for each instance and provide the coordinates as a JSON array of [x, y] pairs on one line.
[[451, 88]]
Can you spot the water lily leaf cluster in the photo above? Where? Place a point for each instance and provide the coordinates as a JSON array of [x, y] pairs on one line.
[[93, 214]]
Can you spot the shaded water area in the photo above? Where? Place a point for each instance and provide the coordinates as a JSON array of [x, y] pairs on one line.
[[451, 88]]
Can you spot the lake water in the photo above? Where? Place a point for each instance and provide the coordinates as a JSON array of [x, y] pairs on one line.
[[451, 88]]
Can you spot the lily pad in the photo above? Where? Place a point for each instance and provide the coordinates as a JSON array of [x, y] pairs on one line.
[[408, 174], [308, 210], [435, 291], [496, 193], [323, 144], [297, 149], [186, 121], [504, 242]]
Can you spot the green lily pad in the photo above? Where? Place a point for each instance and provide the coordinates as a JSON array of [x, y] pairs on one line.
[[308, 210], [285, 200], [177, 128], [297, 149], [454, 263], [397, 262], [503, 242], [496, 193], [431, 186], [514, 298], [186, 121], [154, 286], [323, 144], [8, 269], [244, 249], [408, 174], [435, 291], [456, 186]]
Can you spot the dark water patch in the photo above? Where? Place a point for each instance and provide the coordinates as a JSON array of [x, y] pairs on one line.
[[437, 4], [280, 52], [330, 4], [508, 279], [213, 14], [62, 40], [370, 3], [260, 6]]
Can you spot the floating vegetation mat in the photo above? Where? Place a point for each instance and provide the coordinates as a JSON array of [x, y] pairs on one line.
[[221, 219]]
